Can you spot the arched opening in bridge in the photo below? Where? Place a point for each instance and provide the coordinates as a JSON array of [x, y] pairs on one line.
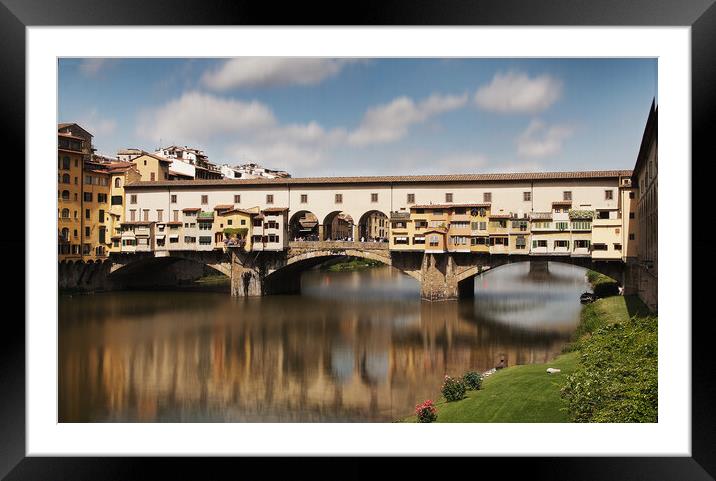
[[169, 272], [303, 226], [373, 226], [338, 226]]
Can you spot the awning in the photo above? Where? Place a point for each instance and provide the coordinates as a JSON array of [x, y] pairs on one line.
[[401, 238], [173, 236], [160, 236]]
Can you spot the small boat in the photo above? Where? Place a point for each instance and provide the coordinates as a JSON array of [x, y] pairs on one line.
[[587, 297]]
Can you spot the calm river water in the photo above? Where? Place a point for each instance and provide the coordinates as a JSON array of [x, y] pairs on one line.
[[354, 346]]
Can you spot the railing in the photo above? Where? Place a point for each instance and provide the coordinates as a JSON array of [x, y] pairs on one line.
[[338, 245]]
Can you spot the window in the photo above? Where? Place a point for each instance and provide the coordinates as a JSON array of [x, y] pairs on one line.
[[617, 247], [602, 214], [102, 198], [631, 194], [448, 197], [608, 194], [632, 237], [176, 216], [145, 162], [65, 178], [237, 199], [520, 242], [419, 240], [117, 182], [269, 198], [339, 198], [567, 195], [631, 215], [561, 225], [561, 243], [133, 199], [65, 213], [101, 215], [581, 225], [132, 215], [229, 222], [304, 198], [539, 243], [65, 195], [374, 197], [174, 240], [116, 200], [478, 241], [433, 241], [66, 163], [487, 197], [599, 247], [581, 244], [189, 240], [87, 196], [411, 200], [205, 240], [88, 179], [160, 215], [87, 232], [204, 199], [527, 196], [173, 199], [87, 213], [146, 214]]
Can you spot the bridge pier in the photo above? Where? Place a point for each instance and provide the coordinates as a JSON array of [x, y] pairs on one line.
[[438, 278]]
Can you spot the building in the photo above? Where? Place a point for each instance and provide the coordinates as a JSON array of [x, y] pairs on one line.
[[152, 167], [270, 230], [128, 155], [96, 219], [78, 132], [70, 167], [189, 162], [645, 182], [256, 171], [120, 174]]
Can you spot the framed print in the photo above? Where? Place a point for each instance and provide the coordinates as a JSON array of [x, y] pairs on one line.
[[314, 240]]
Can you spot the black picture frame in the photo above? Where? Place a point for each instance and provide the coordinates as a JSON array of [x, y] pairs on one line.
[[700, 15]]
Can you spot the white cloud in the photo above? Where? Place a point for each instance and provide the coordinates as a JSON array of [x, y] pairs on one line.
[[96, 124], [90, 67], [518, 93], [541, 140], [390, 122], [271, 72], [198, 117]]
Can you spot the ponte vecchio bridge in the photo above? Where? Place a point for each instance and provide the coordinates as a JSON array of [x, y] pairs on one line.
[[441, 230]]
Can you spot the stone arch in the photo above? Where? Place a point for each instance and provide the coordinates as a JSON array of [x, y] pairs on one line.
[[611, 269], [303, 224], [367, 230], [222, 266], [337, 225]]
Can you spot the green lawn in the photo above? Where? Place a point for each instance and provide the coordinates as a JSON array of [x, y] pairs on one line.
[[528, 394]]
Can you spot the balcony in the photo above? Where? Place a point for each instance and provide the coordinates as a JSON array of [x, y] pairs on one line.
[[399, 215]]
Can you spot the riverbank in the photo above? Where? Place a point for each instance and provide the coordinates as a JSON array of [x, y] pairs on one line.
[[528, 394], [352, 264]]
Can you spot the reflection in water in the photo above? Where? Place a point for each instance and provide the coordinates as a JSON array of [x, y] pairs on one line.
[[355, 346]]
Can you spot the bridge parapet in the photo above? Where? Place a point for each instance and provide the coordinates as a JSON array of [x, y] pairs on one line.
[[336, 245]]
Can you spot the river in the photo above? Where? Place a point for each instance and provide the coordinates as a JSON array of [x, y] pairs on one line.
[[353, 347]]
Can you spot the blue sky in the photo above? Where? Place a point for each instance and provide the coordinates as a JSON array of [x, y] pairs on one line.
[[320, 116]]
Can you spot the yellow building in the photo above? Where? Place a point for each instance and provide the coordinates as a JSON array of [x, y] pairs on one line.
[[499, 232], [232, 227], [152, 167], [120, 174], [96, 219], [70, 166]]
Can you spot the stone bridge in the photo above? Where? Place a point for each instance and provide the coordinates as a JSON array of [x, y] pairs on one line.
[[441, 276]]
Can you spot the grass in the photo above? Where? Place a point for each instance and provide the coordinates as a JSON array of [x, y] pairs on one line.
[[527, 393], [352, 265]]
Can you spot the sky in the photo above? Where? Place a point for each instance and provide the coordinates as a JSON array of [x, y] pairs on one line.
[[364, 116]]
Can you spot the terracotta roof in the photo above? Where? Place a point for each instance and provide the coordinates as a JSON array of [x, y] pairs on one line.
[[240, 211], [191, 209], [138, 222], [275, 209], [562, 202], [174, 222], [223, 206], [448, 206], [529, 176]]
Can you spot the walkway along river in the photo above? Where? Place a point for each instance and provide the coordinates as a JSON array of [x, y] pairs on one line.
[[354, 346]]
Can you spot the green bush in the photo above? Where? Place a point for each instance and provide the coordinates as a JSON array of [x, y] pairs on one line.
[[453, 389], [426, 412], [602, 285], [615, 379], [472, 380], [236, 231]]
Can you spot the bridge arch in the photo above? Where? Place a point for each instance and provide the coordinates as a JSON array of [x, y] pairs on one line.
[[613, 270], [303, 225], [338, 225], [373, 223], [217, 261]]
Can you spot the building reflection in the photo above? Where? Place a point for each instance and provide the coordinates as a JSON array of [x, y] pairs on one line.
[[212, 358]]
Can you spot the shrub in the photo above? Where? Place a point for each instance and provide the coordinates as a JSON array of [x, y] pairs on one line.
[[453, 389], [602, 285], [615, 379], [472, 380], [426, 412]]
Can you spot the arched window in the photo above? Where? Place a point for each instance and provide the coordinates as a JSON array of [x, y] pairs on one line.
[[66, 178], [65, 195], [65, 213], [66, 163], [65, 234], [117, 182]]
